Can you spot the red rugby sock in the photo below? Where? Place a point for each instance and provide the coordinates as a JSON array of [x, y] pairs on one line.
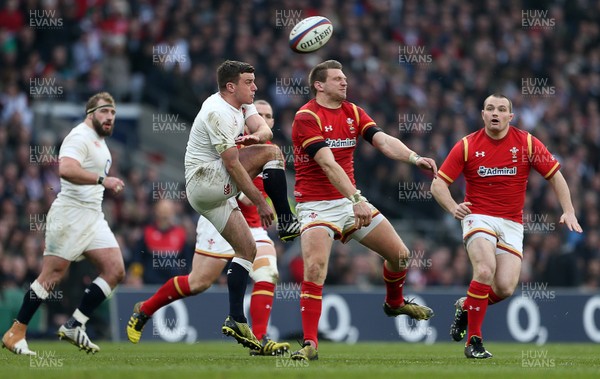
[[174, 289], [311, 297], [476, 306], [493, 298], [260, 307], [394, 282]]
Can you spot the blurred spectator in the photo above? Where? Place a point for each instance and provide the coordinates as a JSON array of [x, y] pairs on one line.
[[162, 252]]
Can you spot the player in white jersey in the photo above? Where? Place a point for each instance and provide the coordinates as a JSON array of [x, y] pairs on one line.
[[215, 172], [76, 228]]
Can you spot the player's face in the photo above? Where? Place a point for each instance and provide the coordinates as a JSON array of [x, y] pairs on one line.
[[335, 85], [245, 88], [266, 112], [103, 120], [496, 115]]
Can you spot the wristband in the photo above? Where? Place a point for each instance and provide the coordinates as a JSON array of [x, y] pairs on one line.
[[357, 198], [413, 158], [100, 180]]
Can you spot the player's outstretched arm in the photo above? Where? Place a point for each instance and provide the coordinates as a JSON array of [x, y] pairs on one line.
[[441, 193], [560, 187], [395, 149]]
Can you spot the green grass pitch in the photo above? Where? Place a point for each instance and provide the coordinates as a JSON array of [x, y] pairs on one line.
[[227, 359]]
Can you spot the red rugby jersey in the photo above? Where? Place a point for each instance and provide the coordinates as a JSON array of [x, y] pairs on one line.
[[339, 128], [496, 171]]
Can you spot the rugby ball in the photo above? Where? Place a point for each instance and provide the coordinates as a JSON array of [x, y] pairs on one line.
[[310, 34]]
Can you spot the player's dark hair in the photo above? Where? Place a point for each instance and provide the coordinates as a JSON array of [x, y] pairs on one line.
[[500, 96], [319, 73], [230, 71], [93, 101]]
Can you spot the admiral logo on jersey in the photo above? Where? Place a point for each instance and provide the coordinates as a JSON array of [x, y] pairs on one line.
[[495, 171], [337, 143]]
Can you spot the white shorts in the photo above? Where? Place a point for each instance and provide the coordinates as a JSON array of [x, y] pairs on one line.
[[210, 242], [506, 235], [211, 193], [337, 216], [71, 231]]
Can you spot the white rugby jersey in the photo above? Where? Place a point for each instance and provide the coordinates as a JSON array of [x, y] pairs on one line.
[[85, 146], [215, 129]]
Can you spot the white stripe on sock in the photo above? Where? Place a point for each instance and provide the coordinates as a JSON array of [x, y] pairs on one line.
[[243, 262], [39, 290], [77, 315], [104, 286]]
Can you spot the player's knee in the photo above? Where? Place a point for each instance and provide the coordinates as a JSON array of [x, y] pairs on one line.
[[119, 275], [199, 285], [483, 274], [113, 274], [52, 277], [248, 252], [266, 273], [315, 271], [400, 260], [505, 291], [276, 152]]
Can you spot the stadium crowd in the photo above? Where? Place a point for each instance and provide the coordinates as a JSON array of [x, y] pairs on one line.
[[421, 68]]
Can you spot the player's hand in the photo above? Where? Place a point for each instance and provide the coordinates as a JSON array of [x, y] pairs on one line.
[[247, 140], [462, 210], [113, 183], [362, 214], [266, 214], [425, 163], [571, 222]]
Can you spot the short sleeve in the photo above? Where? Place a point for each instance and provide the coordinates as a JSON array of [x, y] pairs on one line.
[[454, 164], [74, 146], [221, 131], [308, 128], [249, 110], [364, 121], [541, 159]]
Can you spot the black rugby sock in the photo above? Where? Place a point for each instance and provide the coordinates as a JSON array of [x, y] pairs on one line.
[[237, 279], [276, 188]]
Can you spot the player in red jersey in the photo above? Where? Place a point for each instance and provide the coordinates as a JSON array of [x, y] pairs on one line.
[[495, 162], [213, 253], [324, 133]]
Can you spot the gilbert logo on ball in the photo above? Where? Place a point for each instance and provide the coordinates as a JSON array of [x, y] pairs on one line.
[[310, 34]]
